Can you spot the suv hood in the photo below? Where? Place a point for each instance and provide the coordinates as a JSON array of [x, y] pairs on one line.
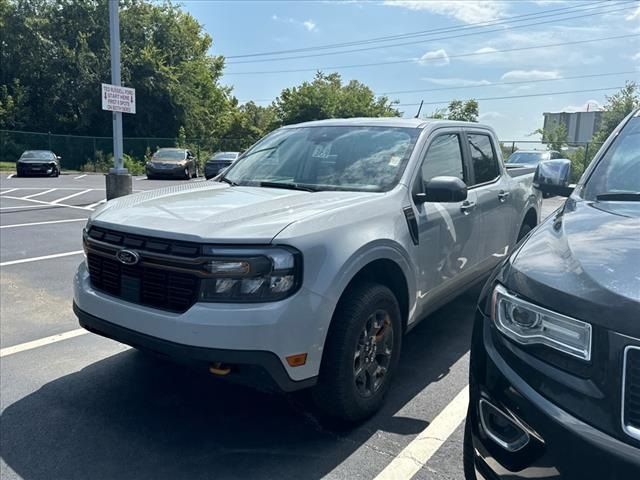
[[217, 212], [583, 262]]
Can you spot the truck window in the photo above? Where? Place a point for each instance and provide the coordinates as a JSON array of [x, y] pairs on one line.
[[444, 158], [483, 157]]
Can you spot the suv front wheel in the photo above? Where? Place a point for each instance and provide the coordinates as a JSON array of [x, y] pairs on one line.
[[361, 353]]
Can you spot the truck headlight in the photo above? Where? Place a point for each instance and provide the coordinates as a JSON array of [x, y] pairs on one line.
[[251, 274], [526, 323]]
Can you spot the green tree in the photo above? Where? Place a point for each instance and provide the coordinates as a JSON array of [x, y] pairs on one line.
[[327, 97], [554, 136], [57, 51], [618, 106], [247, 124], [466, 111]]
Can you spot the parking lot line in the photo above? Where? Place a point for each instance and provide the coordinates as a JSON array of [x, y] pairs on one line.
[[21, 207], [32, 224], [10, 176], [51, 204], [41, 342], [40, 193], [79, 177], [415, 455], [9, 191], [37, 259], [94, 205], [55, 202]]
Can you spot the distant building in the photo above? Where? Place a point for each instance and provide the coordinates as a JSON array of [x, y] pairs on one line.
[[580, 125]]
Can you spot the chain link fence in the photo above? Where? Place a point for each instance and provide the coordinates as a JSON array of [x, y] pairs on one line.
[[96, 153]]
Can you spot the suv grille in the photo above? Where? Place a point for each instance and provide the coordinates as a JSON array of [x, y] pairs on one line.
[[631, 392], [142, 283]]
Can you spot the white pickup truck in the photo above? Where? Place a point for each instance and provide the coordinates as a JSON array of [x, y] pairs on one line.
[[306, 262]]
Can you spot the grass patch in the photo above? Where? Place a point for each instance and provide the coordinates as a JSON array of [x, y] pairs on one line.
[[8, 166]]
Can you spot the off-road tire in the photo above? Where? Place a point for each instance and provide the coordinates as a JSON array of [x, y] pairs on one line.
[[336, 394]]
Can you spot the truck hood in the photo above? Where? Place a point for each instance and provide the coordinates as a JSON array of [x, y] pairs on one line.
[[217, 212], [584, 262]]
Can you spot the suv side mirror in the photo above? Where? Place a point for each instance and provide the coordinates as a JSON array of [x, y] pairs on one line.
[[58, 157], [443, 190], [552, 177]]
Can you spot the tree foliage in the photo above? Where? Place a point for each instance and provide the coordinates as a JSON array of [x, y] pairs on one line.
[[327, 97], [554, 136], [618, 106], [55, 54], [466, 111]]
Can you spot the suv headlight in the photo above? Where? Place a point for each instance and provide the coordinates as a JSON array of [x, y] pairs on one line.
[[526, 323], [251, 274]]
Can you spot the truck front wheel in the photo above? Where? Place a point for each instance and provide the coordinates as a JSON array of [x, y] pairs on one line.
[[361, 353]]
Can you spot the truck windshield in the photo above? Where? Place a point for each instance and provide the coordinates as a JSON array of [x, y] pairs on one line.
[[528, 158], [328, 158], [617, 175]]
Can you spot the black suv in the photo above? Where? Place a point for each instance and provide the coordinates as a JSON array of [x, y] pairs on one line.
[[555, 356]]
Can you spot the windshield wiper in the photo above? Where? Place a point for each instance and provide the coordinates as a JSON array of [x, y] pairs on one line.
[[290, 186], [620, 196], [226, 180]]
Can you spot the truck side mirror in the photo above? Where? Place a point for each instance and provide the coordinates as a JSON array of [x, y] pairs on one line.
[[552, 177], [443, 190]]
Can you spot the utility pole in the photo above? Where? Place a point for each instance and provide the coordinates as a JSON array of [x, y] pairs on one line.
[[119, 182]]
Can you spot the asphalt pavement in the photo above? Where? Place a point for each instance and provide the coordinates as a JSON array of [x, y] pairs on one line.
[[79, 406]]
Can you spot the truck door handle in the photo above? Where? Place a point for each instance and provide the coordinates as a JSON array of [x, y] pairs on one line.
[[503, 195], [467, 207]]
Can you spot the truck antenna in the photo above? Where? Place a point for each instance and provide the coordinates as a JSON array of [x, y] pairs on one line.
[[419, 109]]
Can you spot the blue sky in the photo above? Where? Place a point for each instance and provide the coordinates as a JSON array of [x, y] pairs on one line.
[[431, 62]]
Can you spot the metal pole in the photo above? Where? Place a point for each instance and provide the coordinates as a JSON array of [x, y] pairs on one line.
[[114, 45], [118, 180]]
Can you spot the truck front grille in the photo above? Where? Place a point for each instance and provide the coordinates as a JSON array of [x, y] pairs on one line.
[[165, 284], [631, 392]]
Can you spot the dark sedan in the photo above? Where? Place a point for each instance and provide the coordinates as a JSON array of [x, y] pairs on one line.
[[38, 162], [172, 162], [555, 357], [218, 162]]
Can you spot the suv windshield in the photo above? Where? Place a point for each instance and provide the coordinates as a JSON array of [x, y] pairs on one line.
[[37, 155], [528, 158], [169, 155], [618, 172], [328, 158], [224, 156]]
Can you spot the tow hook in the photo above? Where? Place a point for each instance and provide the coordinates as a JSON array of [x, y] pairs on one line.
[[219, 369]]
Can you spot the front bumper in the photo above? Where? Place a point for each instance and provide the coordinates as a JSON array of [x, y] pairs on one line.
[[177, 171], [560, 445], [34, 169], [243, 335]]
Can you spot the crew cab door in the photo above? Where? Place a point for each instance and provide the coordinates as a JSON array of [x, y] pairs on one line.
[[496, 213], [447, 235]]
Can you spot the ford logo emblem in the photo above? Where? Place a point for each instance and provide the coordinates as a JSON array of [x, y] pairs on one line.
[[128, 257]]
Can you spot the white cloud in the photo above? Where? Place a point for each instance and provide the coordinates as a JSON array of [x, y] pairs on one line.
[[490, 115], [485, 50], [636, 57], [310, 25], [457, 82], [518, 75], [435, 57], [635, 14], [468, 11], [589, 104]]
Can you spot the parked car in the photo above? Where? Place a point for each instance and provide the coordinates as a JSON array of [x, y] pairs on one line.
[[311, 257], [218, 162], [172, 162], [555, 357], [531, 158], [38, 162]]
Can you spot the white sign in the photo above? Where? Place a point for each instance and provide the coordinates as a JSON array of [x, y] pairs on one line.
[[118, 99]]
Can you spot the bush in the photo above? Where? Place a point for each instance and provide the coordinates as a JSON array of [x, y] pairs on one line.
[[102, 163]]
